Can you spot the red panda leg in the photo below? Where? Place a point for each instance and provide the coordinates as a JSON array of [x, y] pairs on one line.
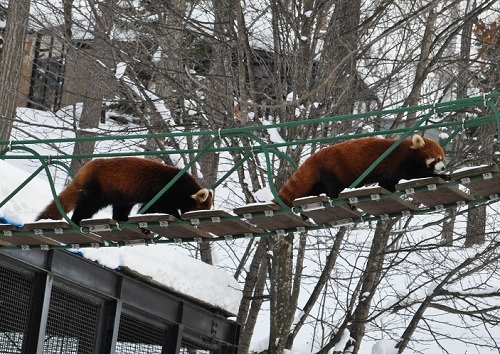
[[328, 184], [389, 185], [121, 211], [86, 207]]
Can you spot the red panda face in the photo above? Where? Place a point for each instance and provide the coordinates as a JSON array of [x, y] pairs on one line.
[[430, 151], [204, 199]]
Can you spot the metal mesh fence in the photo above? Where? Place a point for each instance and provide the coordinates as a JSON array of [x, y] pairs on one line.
[[138, 336], [78, 320], [15, 300], [72, 323]]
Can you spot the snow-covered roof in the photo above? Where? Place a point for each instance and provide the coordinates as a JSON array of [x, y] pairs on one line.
[[168, 266]]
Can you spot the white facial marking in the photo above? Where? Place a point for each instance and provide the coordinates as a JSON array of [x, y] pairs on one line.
[[428, 162], [439, 167]]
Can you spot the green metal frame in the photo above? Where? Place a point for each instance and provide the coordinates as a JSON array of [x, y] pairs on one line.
[[258, 145]]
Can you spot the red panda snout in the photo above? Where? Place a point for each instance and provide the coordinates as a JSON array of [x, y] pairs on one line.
[[439, 167], [435, 163]]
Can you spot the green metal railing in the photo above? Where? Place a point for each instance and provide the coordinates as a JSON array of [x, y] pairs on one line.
[[23, 149]]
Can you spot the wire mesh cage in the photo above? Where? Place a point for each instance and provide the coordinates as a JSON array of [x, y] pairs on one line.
[[72, 322], [15, 302], [139, 336], [190, 348], [57, 302]]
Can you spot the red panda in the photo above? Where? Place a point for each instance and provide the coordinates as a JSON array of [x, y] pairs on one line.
[[336, 167], [124, 182]]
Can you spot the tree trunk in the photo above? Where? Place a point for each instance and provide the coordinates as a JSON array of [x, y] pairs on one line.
[[252, 296], [338, 62], [281, 285], [11, 60], [422, 69], [355, 323], [318, 288], [370, 281], [98, 65], [476, 218], [220, 95], [170, 77], [485, 136], [463, 80]]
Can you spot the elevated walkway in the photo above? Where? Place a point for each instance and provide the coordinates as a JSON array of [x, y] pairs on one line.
[[473, 186]]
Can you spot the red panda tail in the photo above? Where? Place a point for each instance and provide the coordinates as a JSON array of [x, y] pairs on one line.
[[300, 183], [68, 198]]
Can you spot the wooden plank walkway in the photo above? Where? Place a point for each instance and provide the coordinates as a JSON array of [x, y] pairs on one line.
[[474, 185]]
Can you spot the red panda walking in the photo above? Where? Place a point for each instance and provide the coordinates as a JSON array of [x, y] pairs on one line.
[[336, 167], [124, 182]]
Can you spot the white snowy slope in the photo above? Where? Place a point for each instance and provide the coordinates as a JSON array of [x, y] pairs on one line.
[[29, 201]]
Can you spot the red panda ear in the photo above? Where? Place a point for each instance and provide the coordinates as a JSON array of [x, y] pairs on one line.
[[417, 142], [202, 195]]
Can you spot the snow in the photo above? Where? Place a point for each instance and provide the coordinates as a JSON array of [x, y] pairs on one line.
[[384, 347], [120, 70], [167, 265], [264, 195], [274, 135], [23, 207], [340, 345]]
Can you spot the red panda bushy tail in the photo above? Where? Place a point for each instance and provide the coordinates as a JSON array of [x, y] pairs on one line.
[[300, 183], [68, 198]]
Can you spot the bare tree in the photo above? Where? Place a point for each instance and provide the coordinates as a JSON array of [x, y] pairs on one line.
[[484, 138], [11, 61]]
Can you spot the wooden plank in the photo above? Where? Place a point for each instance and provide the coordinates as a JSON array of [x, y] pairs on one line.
[[164, 225], [8, 229], [6, 232], [109, 229], [433, 192], [482, 181], [419, 183], [380, 201], [264, 216], [11, 237], [320, 209], [61, 231], [222, 223]]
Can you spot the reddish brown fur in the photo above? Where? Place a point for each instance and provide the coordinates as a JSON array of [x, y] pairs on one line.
[[336, 167], [123, 182]]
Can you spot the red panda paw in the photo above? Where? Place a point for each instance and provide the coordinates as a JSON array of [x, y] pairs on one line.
[[445, 176]]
